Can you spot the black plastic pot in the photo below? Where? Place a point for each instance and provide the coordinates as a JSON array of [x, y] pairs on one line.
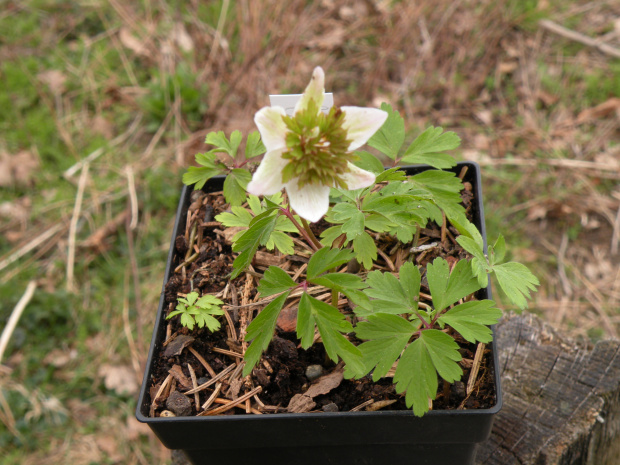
[[384, 437]]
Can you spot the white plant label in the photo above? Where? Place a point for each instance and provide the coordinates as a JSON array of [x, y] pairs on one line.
[[288, 102]]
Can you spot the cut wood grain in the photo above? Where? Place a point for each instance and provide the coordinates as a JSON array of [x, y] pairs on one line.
[[561, 399]]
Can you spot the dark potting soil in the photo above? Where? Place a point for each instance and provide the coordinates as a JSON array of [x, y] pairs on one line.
[[203, 263]]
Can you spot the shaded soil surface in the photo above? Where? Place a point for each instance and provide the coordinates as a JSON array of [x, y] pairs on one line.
[[203, 262]]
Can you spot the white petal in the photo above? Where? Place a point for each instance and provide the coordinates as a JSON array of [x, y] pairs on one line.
[[361, 123], [267, 179], [310, 202], [315, 90], [357, 178], [271, 127]]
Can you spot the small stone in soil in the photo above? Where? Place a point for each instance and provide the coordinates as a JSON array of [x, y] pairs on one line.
[[331, 407], [179, 404], [313, 372], [202, 380]]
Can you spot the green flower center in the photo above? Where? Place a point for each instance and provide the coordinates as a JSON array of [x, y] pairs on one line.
[[317, 147]]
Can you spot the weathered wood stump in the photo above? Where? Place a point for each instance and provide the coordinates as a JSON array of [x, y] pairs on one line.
[[561, 399]]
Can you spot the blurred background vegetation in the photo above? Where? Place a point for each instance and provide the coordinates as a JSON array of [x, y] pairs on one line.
[[103, 104]]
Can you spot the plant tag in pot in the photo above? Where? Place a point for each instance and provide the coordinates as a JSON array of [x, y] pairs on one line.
[[288, 102]]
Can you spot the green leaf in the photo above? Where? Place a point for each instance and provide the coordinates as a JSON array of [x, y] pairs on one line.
[[238, 217], [260, 332], [433, 352], [248, 243], [444, 188], [367, 161], [389, 335], [330, 235], [354, 226], [274, 281], [330, 323], [187, 320], [235, 185], [378, 222], [326, 259], [254, 145], [446, 288], [339, 281], [305, 321], [426, 147], [393, 295], [436, 160], [363, 306], [516, 280], [222, 144], [498, 250], [479, 264], [280, 241], [210, 302], [392, 174], [471, 319], [391, 136], [469, 230], [365, 250], [255, 204], [203, 319], [471, 246], [199, 175], [198, 311]]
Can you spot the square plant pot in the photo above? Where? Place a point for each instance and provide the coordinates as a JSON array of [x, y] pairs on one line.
[[382, 437]]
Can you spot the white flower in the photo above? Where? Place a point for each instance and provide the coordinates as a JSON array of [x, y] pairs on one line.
[[310, 152]]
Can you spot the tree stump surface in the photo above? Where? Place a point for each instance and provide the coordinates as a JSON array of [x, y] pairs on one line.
[[561, 399]]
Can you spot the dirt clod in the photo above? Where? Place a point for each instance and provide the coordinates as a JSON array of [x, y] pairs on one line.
[[179, 404]]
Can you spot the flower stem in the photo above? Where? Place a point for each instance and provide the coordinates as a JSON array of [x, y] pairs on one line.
[[311, 234], [287, 212]]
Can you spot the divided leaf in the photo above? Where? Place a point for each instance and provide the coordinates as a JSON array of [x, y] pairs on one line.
[[331, 324], [254, 145], [248, 243], [433, 352], [199, 175], [446, 288], [222, 144], [516, 280], [444, 188], [394, 296], [367, 161], [426, 147], [274, 281], [260, 332], [387, 337], [471, 319], [198, 311], [235, 185], [390, 137], [326, 259]]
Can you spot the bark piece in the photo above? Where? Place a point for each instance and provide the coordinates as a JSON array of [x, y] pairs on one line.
[[178, 374], [176, 346], [300, 403]]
